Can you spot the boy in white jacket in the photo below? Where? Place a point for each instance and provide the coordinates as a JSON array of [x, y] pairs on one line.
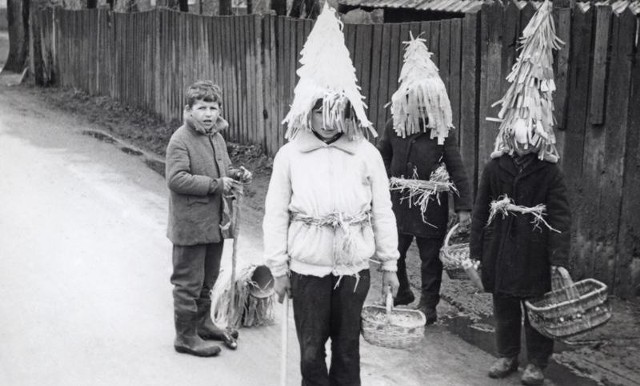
[[328, 211]]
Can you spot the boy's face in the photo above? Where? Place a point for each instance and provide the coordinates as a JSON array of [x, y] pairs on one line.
[[318, 125], [206, 113]]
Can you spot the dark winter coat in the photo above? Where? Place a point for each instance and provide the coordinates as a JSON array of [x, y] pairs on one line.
[[401, 156], [195, 163], [516, 257]]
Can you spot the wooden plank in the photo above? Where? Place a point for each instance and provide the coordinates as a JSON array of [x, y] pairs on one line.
[[444, 52], [300, 38], [395, 61], [266, 88], [615, 135], [599, 69], [627, 274], [526, 13], [469, 98], [425, 32], [260, 70], [292, 54], [384, 82], [363, 52], [562, 17], [282, 79], [350, 39], [246, 108], [491, 78], [415, 29], [435, 42], [455, 68], [511, 33], [577, 113], [376, 103]]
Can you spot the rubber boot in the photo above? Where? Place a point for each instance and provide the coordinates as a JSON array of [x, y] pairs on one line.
[[428, 310], [208, 330], [187, 340]]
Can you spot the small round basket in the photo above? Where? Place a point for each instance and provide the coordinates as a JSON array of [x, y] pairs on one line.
[[570, 308], [452, 256], [392, 328]]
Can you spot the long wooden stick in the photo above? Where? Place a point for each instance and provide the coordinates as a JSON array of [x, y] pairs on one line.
[[284, 341], [234, 257]]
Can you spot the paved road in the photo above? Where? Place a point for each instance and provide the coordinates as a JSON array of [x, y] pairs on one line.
[[84, 275]]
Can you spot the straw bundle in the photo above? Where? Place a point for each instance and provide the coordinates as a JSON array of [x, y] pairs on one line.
[[505, 205], [419, 192], [251, 306]]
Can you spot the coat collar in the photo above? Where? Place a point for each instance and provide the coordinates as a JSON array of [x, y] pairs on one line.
[[506, 163], [308, 142]]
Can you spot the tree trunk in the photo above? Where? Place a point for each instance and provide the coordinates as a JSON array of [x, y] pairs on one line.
[[18, 18], [225, 7], [279, 7]]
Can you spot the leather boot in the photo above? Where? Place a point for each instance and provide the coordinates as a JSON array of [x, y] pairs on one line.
[[532, 375], [187, 340], [428, 310], [503, 367], [404, 297], [208, 330]]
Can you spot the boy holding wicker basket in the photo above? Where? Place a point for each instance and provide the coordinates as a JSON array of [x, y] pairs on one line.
[[328, 210], [521, 219], [420, 151]]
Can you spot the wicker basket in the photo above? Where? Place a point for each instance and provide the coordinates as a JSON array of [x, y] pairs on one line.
[[392, 328], [570, 308], [453, 255]]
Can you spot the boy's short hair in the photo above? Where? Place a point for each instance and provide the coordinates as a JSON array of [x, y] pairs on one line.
[[203, 90]]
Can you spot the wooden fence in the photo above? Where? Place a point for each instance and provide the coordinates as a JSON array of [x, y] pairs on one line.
[[148, 59]]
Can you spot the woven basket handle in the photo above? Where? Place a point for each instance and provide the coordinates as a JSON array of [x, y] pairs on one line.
[[388, 302], [561, 280], [451, 232]]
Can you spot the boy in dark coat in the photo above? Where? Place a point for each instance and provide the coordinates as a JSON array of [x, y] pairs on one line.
[[517, 255], [417, 140], [198, 173]]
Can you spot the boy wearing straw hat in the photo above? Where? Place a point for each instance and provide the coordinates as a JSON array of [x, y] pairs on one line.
[[198, 173], [415, 143], [328, 210], [521, 219]]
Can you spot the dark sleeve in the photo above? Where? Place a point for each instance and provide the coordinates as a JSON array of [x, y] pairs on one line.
[[384, 146], [456, 170], [559, 217], [178, 173], [480, 213]]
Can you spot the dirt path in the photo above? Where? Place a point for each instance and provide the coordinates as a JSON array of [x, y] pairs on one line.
[[85, 266]]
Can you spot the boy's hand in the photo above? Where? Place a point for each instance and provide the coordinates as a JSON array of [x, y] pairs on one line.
[[282, 286], [464, 219], [227, 184], [390, 279], [245, 175]]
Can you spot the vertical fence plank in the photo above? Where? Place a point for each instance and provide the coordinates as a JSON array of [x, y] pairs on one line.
[[469, 88], [363, 62], [562, 18], [599, 68], [375, 103], [444, 52], [395, 61], [511, 33], [383, 89], [435, 42], [283, 101], [627, 279], [615, 134], [455, 67], [577, 113], [491, 78]]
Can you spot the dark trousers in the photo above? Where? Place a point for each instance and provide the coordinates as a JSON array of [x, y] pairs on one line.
[[322, 311], [430, 268], [195, 271], [508, 314]]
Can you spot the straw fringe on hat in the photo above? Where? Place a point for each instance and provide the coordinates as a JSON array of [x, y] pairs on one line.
[[421, 96], [327, 73], [527, 106]]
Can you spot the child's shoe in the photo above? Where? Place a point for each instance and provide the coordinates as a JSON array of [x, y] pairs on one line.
[[404, 298], [503, 367], [532, 375]]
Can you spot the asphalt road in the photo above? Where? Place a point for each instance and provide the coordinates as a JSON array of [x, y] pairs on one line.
[[84, 275]]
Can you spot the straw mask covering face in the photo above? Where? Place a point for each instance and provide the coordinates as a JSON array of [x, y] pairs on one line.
[[421, 97], [327, 73]]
